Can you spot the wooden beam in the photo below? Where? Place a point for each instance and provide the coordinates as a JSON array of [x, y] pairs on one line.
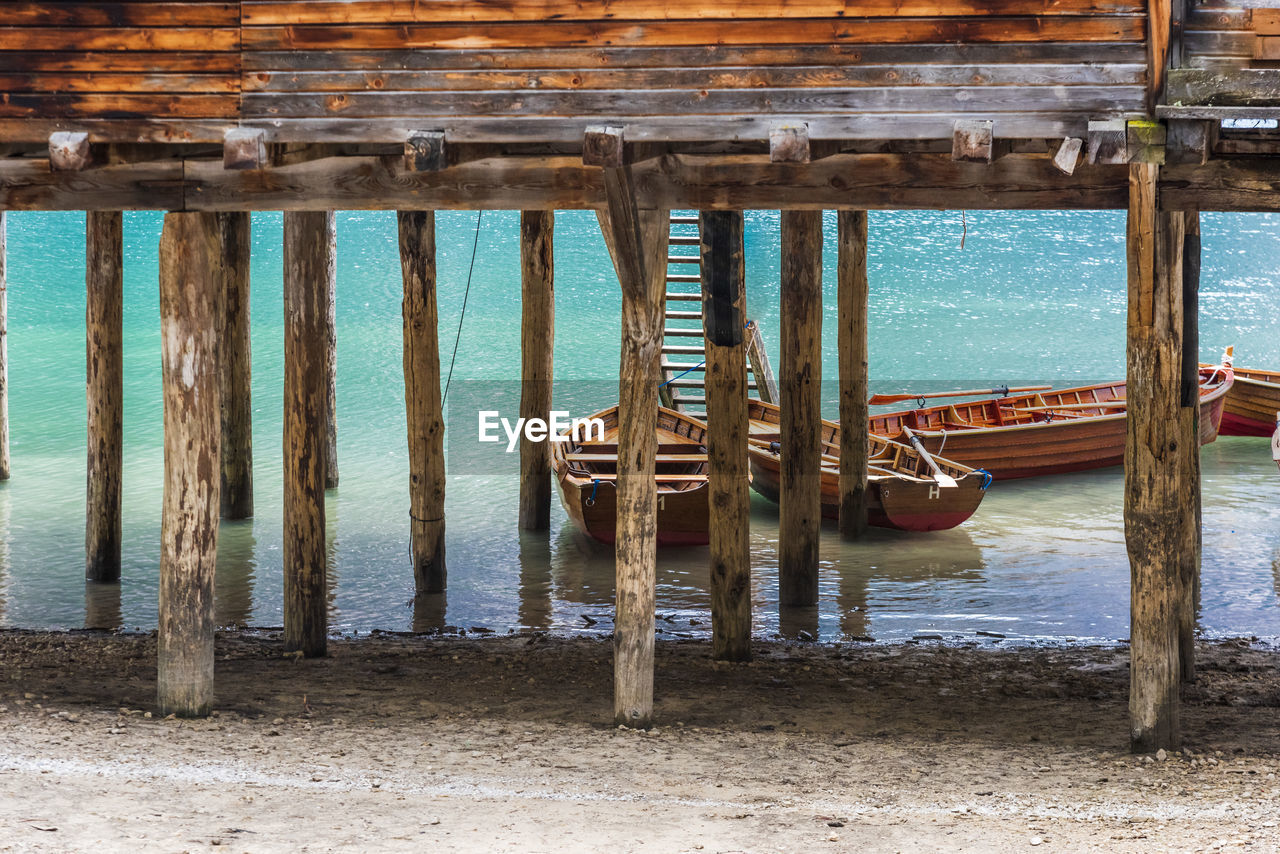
[[417, 235], [189, 308], [424, 151], [1155, 464], [972, 141], [852, 298], [637, 242], [1189, 400], [537, 345], [104, 391], [1159, 31], [308, 262], [724, 313], [4, 353], [69, 152], [603, 146], [237, 367], [1065, 154], [331, 365], [1146, 141], [244, 148], [800, 381], [789, 143], [1191, 141], [1108, 142]]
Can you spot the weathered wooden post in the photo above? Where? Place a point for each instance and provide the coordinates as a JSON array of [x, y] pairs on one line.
[[1155, 463], [852, 299], [417, 231], [1190, 413], [237, 368], [331, 378], [723, 318], [4, 357], [190, 293], [637, 242], [104, 391], [799, 383], [537, 338], [308, 269]]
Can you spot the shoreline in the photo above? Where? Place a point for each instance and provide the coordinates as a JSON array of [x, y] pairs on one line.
[[505, 743]]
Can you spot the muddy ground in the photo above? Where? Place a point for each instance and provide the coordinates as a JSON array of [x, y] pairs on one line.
[[504, 744]]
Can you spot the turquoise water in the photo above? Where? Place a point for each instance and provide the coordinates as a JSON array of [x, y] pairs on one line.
[[1030, 296]]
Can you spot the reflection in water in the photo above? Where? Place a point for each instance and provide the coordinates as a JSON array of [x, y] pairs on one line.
[[331, 559], [102, 605], [798, 623], [535, 580], [429, 612], [233, 582], [1275, 573]]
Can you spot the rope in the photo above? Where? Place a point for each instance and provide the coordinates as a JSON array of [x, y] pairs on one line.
[[462, 316], [986, 478], [682, 373], [595, 484]]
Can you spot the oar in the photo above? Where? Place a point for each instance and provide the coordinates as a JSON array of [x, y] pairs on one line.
[[942, 479], [1004, 391]]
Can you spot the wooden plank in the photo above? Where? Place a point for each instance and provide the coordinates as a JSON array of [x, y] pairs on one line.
[[237, 367], [140, 131], [723, 271], [19, 13], [537, 345], [69, 152], [656, 33], [1145, 141], [425, 420], [90, 64], [1240, 87], [5, 465], [1108, 143], [721, 77], [1215, 43], [789, 143], [799, 381], [104, 392], [1155, 467], [145, 82], [1160, 21], [972, 140], [189, 297], [1246, 183], [119, 39], [308, 260], [287, 12], [1266, 22], [852, 298], [1065, 154], [244, 148], [123, 106]]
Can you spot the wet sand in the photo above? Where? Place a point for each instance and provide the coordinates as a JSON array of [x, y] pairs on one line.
[[502, 744]]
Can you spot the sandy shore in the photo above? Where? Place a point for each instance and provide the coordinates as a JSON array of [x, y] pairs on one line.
[[501, 744]]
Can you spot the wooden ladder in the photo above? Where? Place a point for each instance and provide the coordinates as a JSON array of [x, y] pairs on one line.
[[684, 349]]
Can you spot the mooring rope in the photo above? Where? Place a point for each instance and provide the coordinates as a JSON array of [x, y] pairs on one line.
[[682, 373], [462, 316]]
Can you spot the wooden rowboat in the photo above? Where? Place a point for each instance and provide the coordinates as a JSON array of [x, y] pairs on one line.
[[1252, 403], [1049, 432], [903, 493], [587, 474]]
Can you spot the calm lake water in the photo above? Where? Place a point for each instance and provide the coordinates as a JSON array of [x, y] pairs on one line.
[[1029, 296]]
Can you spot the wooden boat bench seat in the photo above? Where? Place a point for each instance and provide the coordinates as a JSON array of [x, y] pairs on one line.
[[661, 478], [613, 458]]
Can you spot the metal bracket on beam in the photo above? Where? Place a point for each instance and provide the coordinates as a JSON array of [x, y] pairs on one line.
[[69, 151], [973, 141], [604, 146], [1145, 141], [1108, 142], [244, 148], [789, 143], [424, 151]]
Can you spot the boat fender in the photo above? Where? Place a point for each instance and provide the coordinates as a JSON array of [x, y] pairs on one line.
[[775, 447]]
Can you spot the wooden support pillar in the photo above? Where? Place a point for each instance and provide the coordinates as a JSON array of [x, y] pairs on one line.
[[1190, 414], [104, 391], [331, 379], [724, 315], [799, 382], [4, 358], [637, 242], [190, 293], [237, 368], [308, 269], [852, 347], [1155, 463], [422, 399], [537, 344]]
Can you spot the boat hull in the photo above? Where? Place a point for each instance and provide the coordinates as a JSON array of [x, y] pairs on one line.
[[1252, 404], [683, 517]]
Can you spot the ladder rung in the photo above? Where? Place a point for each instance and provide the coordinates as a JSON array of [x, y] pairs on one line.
[[682, 333], [684, 277], [681, 367], [684, 259], [681, 240], [694, 400], [684, 219], [672, 295], [695, 383], [684, 315], [682, 350]]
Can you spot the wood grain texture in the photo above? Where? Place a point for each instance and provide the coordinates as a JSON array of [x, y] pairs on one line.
[[119, 38], [724, 277], [331, 369], [308, 268], [19, 13], [417, 236], [799, 382], [104, 392], [1155, 465], [4, 351], [537, 348], [237, 367], [852, 299], [637, 242], [190, 293], [1192, 532]]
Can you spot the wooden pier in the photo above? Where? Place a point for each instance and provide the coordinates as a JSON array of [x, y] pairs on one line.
[[210, 110]]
